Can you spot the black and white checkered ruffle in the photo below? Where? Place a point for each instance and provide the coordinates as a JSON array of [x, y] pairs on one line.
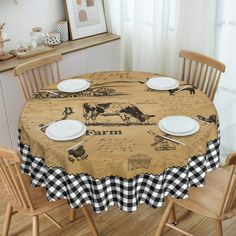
[[127, 194]]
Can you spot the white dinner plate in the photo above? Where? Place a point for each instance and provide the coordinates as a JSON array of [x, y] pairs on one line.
[[65, 130], [162, 83], [73, 85], [179, 125]]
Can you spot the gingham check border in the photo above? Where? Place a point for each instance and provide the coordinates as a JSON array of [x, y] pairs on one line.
[[127, 194]]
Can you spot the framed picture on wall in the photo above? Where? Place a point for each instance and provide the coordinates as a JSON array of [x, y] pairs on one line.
[[86, 18]]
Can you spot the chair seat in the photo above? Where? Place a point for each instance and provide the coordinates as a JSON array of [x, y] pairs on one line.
[[39, 200], [206, 200]]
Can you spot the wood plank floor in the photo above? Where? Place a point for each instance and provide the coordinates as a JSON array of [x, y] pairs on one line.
[[117, 223]]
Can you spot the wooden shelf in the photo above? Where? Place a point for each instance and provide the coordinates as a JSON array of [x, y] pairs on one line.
[[5, 40], [64, 48]]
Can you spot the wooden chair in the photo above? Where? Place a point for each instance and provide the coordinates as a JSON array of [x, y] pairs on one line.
[[21, 198], [216, 200], [201, 71], [38, 73]]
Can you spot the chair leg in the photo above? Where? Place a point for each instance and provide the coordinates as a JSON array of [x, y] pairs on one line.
[[7, 220], [72, 215], [172, 218], [90, 220], [219, 230], [35, 230], [164, 218]]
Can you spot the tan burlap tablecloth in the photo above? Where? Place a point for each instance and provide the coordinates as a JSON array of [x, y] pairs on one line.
[[121, 114]]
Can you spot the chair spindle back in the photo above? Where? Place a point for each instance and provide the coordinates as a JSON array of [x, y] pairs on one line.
[[201, 71], [16, 192], [38, 73]]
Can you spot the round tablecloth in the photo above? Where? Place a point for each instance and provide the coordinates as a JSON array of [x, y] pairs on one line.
[[123, 160]]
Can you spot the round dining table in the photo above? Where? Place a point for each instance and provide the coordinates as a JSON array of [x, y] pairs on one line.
[[124, 158]]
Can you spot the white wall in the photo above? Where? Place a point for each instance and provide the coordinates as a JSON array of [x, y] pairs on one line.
[[22, 17]]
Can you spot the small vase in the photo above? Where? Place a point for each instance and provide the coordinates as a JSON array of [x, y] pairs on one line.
[[62, 29], [53, 39]]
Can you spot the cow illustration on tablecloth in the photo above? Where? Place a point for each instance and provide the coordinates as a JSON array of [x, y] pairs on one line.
[[212, 119], [192, 90], [125, 111]]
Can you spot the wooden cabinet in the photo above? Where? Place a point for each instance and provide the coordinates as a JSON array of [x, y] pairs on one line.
[[74, 64], [102, 57], [14, 101], [5, 139]]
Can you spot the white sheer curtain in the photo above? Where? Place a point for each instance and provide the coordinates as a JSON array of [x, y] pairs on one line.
[[153, 31], [226, 52]]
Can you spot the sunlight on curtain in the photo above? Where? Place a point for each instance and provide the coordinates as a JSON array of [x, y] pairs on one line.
[[226, 52], [154, 31]]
